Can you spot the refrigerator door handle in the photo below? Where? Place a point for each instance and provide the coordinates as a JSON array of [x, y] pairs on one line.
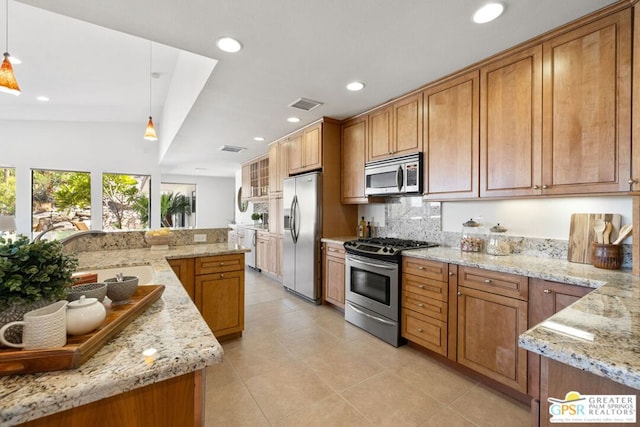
[[294, 207]]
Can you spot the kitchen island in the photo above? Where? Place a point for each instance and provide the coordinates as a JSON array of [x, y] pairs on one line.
[[183, 343]]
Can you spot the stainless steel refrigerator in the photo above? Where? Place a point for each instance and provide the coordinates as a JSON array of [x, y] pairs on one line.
[[302, 198]]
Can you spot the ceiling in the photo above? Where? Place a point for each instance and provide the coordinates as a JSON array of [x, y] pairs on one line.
[[291, 49]]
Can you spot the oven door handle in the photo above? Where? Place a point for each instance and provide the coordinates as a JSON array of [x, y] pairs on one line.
[[378, 319], [399, 178], [373, 264]]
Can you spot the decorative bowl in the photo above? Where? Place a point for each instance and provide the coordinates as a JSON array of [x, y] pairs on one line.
[[119, 292], [89, 290]]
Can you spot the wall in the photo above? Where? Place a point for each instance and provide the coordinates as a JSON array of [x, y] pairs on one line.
[[94, 148]]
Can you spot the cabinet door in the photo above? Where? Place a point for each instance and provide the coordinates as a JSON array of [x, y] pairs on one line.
[[296, 159], [587, 108], [246, 181], [283, 163], [184, 269], [380, 134], [312, 147], [334, 274], [511, 125], [545, 299], [262, 251], [407, 125], [220, 298], [275, 214], [275, 184], [451, 138], [488, 330], [354, 143]]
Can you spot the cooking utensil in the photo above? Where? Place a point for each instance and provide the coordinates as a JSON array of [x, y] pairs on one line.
[[607, 233], [599, 226], [625, 230]]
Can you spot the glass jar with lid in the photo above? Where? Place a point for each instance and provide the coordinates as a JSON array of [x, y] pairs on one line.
[[473, 238], [498, 243]]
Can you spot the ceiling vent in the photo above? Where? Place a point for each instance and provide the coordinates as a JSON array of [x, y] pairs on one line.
[[305, 104], [232, 148]]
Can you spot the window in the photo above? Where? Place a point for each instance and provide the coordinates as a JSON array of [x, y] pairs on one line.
[[178, 205], [125, 201], [60, 200], [8, 202]]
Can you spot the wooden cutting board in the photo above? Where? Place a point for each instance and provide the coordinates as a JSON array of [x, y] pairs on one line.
[[581, 234]]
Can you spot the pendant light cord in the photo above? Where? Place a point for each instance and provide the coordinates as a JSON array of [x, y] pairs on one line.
[[6, 17], [150, 77]]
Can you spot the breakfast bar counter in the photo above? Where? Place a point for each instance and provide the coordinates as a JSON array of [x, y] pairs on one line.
[[169, 340], [600, 333]]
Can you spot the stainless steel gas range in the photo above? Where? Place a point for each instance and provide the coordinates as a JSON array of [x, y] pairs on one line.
[[373, 281]]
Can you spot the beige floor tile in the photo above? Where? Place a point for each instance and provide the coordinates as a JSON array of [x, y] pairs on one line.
[[221, 374], [438, 381], [285, 390], [387, 400], [268, 357], [486, 407], [232, 405], [330, 412], [341, 369], [447, 418], [308, 342]]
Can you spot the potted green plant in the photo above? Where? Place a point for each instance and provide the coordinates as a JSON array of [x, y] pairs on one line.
[[32, 275], [256, 217]]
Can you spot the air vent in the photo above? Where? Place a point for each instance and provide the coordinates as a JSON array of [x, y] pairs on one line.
[[305, 104], [232, 148]]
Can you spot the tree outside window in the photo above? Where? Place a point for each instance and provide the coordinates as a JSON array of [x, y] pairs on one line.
[[7, 191]]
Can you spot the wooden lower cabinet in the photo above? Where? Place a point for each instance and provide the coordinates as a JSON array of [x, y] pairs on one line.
[[424, 305], [489, 323], [216, 286], [333, 274], [173, 402], [262, 251]]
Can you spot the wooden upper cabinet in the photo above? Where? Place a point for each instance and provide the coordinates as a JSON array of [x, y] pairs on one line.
[[587, 108], [354, 143], [451, 138], [305, 150], [396, 129], [246, 181], [511, 125], [278, 166]]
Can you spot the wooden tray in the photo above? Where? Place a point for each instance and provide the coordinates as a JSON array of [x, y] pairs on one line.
[[81, 347]]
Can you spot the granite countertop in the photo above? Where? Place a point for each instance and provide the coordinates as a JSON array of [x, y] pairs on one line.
[[173, 326], [600, 333]]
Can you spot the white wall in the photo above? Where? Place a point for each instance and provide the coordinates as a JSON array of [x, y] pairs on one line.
[[214, 198], [76, 146]]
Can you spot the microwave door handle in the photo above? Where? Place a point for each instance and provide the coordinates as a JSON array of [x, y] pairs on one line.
[[399, 178]]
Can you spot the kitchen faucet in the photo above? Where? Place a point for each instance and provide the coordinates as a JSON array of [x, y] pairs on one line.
[[70, 238]]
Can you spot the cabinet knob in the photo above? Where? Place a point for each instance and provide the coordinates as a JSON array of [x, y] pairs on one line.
[[536, 187], [421, 268], [421, 286], [451, 273], [421, 305], [459, 293], [222, 263], [631, 181], [544, 187], [487, 281], [420, 330], [221, 275], [547, 291]]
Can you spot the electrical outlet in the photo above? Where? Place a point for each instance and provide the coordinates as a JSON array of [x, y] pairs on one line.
[[199, 238]]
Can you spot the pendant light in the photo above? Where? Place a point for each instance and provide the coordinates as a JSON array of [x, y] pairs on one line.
[[8, 83], [150, 133]]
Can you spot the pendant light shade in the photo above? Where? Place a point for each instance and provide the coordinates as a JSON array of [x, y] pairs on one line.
[[150, 133], [8, 82]]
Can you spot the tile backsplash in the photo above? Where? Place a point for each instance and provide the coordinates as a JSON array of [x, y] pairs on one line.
[[413, 218]]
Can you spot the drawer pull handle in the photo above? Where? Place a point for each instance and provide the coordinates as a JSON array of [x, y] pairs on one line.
[[420, 305], [547, 291], [221, 275], [420, 330], [421, 286], [421, 268], [487, 281], [451, 273], [222, 263]]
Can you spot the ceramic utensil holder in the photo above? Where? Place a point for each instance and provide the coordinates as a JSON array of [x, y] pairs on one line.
[[604, 255]]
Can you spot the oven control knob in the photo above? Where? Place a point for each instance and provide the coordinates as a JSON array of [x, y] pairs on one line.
[[391, 250], [385, 250]]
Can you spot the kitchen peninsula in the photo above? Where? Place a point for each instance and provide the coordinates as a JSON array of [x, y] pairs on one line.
[[170, 382]]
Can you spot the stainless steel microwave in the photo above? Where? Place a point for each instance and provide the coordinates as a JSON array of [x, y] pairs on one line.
[[400, 175]]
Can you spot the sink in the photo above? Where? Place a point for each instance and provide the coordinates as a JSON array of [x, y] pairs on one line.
[[145, 273]]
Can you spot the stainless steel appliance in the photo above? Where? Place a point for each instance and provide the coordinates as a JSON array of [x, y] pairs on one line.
[[373, 284], [400, 175], [302, 196]]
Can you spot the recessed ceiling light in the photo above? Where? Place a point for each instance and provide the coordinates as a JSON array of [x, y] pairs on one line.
[[229, 44], [258, 138], [355, 86], [42, 98], [293, 119], [488, 13]]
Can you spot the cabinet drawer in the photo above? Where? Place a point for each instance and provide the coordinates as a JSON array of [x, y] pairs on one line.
[[219, 264], [423, 305], [334, 250], [426, 287], [421, 267], [505, 284], [425, 331]]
